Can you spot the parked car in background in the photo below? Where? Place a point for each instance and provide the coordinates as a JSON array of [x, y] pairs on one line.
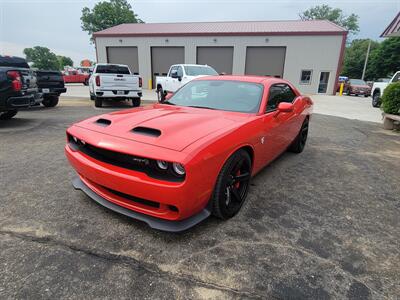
[[18, 87], [114, 82], [75, 76], [171, 165], [50, 85], [379, 87], [179, 75], [357, 87]]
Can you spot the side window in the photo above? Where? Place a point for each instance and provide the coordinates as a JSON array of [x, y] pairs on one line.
[[171, 70], [279, 93], [305, 77], [180, 71]]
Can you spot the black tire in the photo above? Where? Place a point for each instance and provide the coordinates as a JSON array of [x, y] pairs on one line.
[[376, 101], [86, 82], [366, 96], [98, 102], [232, 186], [160, 94], [7, 115], [50, 101], [92, 97], [135, 102], [300, 141]]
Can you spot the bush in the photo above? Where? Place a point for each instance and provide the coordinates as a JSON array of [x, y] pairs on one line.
[[391, 99]]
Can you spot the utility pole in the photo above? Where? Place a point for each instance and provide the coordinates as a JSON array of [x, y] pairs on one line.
[[366, 60]]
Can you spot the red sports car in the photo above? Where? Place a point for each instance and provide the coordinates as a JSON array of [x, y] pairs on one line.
[[171, 165]]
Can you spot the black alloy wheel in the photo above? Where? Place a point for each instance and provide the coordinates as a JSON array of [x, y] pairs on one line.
[[300, 142], [232, 185], [376, 100]]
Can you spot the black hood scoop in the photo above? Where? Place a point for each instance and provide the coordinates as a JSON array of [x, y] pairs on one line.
[[147, 131], [103, 122]]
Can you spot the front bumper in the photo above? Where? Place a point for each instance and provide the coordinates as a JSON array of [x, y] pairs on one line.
[[156, 223]]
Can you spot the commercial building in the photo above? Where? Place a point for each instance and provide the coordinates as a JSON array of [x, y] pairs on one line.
[[307, 53]]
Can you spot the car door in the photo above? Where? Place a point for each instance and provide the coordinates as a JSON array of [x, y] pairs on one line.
[[168, 79], [176, 82], [278, 126]]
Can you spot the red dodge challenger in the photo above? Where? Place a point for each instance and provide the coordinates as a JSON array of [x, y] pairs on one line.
[[171, 165]]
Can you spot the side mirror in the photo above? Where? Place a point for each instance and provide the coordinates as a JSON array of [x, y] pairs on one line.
[[179, 78], [285, 107]]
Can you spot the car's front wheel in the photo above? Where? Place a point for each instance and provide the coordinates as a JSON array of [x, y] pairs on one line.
[[7, 115], [232, 185], [376, 100]]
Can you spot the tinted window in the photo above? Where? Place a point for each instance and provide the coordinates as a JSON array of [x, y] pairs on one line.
[[12, 61], [279, 93], [180, 72], [112, 69], [199, 70], [173, 69], [220, 94], [357, 82]]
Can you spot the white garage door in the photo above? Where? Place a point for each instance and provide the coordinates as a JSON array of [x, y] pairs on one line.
[[220, 58], [163, 57], [125, 56], [265, 61]]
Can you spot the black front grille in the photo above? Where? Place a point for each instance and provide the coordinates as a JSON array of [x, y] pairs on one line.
[[125, 161], [133, 198]]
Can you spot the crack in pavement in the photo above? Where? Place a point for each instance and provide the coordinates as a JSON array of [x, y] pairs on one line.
[[277, 245], [128, 261]]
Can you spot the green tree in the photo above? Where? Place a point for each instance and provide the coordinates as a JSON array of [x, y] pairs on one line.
[[335, 15], [385, 60], [354, 58], [42, 58], [64, 61], [107, 14]]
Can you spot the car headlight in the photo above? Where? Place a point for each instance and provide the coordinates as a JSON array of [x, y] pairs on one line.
[[178, 169], [163, 165]]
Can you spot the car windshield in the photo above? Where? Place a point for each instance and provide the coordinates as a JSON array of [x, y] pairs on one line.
[[112, 69], [199, 70], [357, 82], [226, 95]]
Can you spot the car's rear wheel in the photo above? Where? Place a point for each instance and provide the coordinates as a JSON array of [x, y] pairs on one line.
[[86, 82], [366, 96], [98, 102], [7, 115], [50, 101], [232, 185], [299, 143], [376, 100], [136, 102]]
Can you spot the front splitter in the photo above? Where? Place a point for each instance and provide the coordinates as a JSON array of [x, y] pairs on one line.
[[156, 223]]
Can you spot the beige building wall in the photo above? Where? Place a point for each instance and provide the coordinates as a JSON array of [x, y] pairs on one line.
[[314, 52]]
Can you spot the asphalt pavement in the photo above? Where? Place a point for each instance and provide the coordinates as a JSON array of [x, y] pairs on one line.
[[318, 225]]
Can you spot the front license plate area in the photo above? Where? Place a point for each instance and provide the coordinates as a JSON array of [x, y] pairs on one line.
[[120, 93]]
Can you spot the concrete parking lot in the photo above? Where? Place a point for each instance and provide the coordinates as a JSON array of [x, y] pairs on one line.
[[322, 224]]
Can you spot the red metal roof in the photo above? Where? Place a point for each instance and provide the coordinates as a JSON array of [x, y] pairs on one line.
[[394, 28], [297, 27]]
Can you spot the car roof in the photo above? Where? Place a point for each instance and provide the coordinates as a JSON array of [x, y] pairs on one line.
[[191, 65], [244, 78]]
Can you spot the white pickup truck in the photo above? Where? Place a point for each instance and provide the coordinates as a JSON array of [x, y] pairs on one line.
[[379, 87], [179, 75], [116, 82]]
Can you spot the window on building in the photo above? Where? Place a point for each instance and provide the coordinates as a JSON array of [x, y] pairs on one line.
[[305, 77]]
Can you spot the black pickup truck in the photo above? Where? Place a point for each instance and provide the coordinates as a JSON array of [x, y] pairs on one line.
[[18, 86], [51, 85]]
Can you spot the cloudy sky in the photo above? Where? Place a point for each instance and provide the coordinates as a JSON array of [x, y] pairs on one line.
[[56, 23]]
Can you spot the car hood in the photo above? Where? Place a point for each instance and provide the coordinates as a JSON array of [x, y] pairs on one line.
[[164, 126]]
